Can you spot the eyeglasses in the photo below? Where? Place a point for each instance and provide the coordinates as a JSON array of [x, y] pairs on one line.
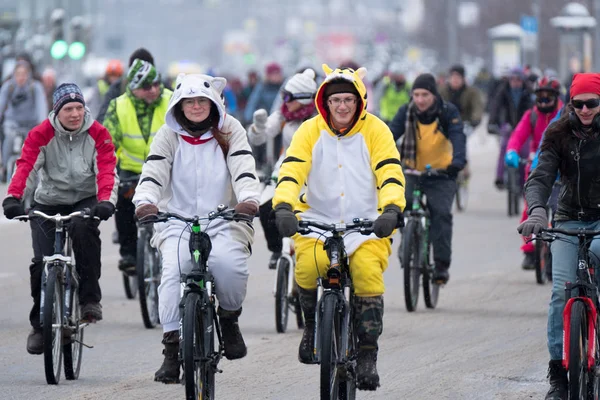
[[150, 86], [544, 100], [336, 101], [288, 96], [591, 103], [202, 101]]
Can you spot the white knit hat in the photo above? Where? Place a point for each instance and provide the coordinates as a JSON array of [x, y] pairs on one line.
[[303, 85]]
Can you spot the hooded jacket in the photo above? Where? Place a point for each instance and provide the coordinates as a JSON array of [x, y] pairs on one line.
[[71, 165], [354, 175], [192, 176]]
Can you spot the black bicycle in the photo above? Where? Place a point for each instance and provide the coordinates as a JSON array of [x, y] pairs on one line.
[[130, 277], [335, 331], [581, 344], [514, 187], [148, 270], [60, 313], [416, 251], [199, 322]]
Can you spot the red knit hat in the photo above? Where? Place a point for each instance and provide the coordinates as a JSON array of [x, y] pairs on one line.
[[585, 83]]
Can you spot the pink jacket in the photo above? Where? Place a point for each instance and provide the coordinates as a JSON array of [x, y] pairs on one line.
[[524, 129]]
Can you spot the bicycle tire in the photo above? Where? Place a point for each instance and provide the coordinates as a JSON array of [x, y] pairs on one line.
[[72, 349], [196, 370], [298, 311], [52, 326], [130, 286], [411, 264], [577, 352], [330, 342], [281, 296], [540, 259], [148, 275], [431, 290], [347, 389]]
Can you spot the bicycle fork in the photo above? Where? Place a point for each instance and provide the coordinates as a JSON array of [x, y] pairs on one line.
[[591, 314]]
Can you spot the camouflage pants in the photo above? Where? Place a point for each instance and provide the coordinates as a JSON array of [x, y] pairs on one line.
[[368, 319]]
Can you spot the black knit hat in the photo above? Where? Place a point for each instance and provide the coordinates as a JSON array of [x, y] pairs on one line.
[[458, 69], [339, 85], [427, 82], [141, 54]]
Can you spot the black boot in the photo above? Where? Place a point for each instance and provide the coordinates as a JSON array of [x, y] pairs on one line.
[[368, 312], [528, 262], [441, 276], [232, 336], [559, 383], [308, 303], [169, 370], [35, 342]]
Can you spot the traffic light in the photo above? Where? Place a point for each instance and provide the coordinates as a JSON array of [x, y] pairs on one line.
[[77, 47], [59, 46]]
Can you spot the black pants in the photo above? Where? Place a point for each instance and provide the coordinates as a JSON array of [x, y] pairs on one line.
[[440, 194], [86, 248], [125, 217], [267, 220]]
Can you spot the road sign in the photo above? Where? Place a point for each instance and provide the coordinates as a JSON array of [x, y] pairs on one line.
[[529, 24]]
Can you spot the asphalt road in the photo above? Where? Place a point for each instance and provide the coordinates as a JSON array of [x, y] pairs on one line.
[[486, 339]]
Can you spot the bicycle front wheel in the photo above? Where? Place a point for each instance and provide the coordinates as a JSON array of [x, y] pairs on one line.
[[411, 263], [540, 261], [347, 390], [431, 290], [330, 348], [73, 341], [578, 375], [281, 296], [198, 375], [148, 279], [52, 326]]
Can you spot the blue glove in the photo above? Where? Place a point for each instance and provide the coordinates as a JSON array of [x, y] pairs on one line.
[[512, 159]]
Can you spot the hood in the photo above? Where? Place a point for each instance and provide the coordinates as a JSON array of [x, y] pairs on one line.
[[196, 85], [87, 123], [353, 76]]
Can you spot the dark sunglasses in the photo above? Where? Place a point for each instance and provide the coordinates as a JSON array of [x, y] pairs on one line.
[[544, 100], [149, 86], [287, 96], [591, 103]]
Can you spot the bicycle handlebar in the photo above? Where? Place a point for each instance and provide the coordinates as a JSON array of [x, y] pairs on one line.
[[85, 213], [573, 232], [365, 226], [221, 213], [431, 172]]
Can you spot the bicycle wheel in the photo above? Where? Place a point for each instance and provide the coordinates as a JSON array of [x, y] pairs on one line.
[[540, 259], [130, 285], [52, 325], [431, 290], [347, 390], [73, 341], [513, 192], [281, 296], [462, 194], [411, 263], [148, 278], [578, 374], [298, 311], [330, 348], [198, 374]]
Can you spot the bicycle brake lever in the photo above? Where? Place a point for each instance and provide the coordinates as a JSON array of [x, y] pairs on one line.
[[304, 231]]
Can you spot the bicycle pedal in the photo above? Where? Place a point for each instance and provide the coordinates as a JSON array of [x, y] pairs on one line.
[[85, 345]]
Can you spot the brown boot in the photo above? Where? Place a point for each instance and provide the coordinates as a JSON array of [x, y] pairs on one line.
[[169, 370]]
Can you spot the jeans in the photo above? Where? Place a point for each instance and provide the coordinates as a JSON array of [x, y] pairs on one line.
[[564, 269]]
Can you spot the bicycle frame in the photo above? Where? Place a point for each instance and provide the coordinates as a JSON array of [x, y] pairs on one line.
[[419, 211]]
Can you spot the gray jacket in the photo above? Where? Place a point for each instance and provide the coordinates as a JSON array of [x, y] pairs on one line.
[[23, 105]]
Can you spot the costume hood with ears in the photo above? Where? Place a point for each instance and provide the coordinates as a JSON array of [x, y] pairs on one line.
[[350, 75], [196, 85]]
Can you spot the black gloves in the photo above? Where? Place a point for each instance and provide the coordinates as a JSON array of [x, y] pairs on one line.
[[285, 219], [13, 207], [453, 171], [103, 210], [390, 219]]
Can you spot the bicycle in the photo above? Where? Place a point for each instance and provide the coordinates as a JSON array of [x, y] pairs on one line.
[[581, 351], [60, 313], [542, 257], [335, 344], [198, 318], [19, 138], [148, 272], [286, 295], [416, 250], [514, 187], [130, 277]]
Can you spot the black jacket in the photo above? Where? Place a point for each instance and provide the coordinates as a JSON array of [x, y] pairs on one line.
[[578, 162], [504, 111]]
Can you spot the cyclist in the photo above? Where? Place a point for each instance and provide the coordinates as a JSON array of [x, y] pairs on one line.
[[467, 99], [532, 126], [570, 147], [199, 159], [132, 120], [392, 93], [298, 106], [75, 161], [343, 144], [22, 105], [433, 136], [510, 101]]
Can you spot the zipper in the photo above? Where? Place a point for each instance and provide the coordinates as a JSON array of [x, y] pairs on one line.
[[577, 158]]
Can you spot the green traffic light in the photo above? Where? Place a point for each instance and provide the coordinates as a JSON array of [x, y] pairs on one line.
[[249, 58], [76, 50], [59, 49]]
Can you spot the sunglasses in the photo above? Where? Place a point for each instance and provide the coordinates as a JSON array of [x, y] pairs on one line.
[[149, 86], [544, 100], [287, 96], [591, 103]]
